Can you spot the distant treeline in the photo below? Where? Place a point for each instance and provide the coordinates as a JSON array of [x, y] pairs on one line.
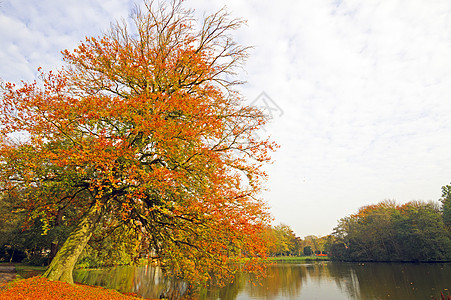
[[415, 231], [282, 241]]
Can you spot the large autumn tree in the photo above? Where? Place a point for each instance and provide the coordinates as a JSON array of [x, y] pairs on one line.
[[142, 131]]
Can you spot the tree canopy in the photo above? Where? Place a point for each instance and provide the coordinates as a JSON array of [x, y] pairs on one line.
[[414, 231], [446, 205], [285, 242], [142, 130]]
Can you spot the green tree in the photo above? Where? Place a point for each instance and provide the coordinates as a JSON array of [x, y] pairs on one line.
[[21, 240], [308, 250], [387, 232], [12, 247], [338, 251], [422, 233], [329, 241], [285, 240], [297, 246], [446, 205]]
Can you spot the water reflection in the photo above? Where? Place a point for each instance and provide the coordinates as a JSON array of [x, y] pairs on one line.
[[325, 280], [146, 281], [392, 281], [284, 281]]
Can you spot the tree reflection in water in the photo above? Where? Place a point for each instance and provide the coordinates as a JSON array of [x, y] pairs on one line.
[[325, 280], [392, 280], [146, 281]]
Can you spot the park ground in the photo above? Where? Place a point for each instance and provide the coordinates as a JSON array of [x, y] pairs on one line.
[[13, 286]]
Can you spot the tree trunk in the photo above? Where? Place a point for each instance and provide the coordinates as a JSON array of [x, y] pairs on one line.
[[12, 255], [63, 264], [54, 246]]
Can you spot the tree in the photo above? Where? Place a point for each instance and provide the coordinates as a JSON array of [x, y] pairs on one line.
[[338, 251], [297, 246], [388, 232], [11, 247], [446, 205], [308, 250], [143, 129], [312, 241], [285, 239], [423, 235]]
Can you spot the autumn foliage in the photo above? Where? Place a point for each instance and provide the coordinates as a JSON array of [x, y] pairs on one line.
[[38, 288], [142, 132]]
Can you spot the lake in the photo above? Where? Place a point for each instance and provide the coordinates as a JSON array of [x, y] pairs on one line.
[[318, 280]]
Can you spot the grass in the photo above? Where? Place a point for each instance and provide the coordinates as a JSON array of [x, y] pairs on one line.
[[25, 271], [39, 288], [297, 258]]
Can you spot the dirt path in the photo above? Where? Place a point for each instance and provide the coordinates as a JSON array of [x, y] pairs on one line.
[[7, 273]]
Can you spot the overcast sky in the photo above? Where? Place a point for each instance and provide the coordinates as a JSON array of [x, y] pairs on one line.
[[359, 91]]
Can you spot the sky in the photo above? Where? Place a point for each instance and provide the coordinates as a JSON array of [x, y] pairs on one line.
[[359, 91]]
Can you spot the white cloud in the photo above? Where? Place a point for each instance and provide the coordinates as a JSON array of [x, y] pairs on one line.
[[36, 32]]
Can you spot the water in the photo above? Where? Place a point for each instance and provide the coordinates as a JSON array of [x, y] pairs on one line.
[[321, 280]]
